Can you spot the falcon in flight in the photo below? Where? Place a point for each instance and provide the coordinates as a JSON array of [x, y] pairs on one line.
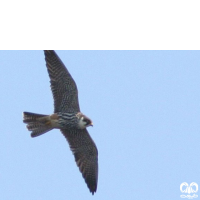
[[68, 118]]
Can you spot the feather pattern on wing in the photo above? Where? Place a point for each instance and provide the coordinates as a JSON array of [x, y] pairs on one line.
[[86, 155], [63, 86]]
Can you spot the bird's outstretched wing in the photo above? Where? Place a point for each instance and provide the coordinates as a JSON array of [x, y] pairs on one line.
[[63, 86], [86, 155]]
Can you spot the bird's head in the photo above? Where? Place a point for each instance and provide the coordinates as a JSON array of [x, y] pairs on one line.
[[84, 122]]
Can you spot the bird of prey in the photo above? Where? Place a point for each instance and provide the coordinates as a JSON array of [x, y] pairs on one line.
[[68, 118]]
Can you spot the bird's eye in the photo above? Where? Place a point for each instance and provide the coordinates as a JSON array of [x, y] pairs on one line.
[[86, 121]]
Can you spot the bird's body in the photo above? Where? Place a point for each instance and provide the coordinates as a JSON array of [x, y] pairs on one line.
[[68, 118]]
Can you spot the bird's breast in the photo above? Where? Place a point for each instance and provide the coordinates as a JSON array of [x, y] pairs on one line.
[[67, 120]]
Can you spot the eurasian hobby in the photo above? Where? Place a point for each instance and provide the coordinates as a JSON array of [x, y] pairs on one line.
[[68, 118]]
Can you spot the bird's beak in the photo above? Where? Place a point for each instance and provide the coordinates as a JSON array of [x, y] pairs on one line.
[[91, 124]]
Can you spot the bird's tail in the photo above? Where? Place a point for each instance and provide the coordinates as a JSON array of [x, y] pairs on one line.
[[37, 123]]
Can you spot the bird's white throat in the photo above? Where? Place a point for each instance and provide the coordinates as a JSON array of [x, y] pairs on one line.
[[81, 123]]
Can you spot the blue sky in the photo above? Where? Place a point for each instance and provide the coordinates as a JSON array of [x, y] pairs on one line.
[[145, 106]]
